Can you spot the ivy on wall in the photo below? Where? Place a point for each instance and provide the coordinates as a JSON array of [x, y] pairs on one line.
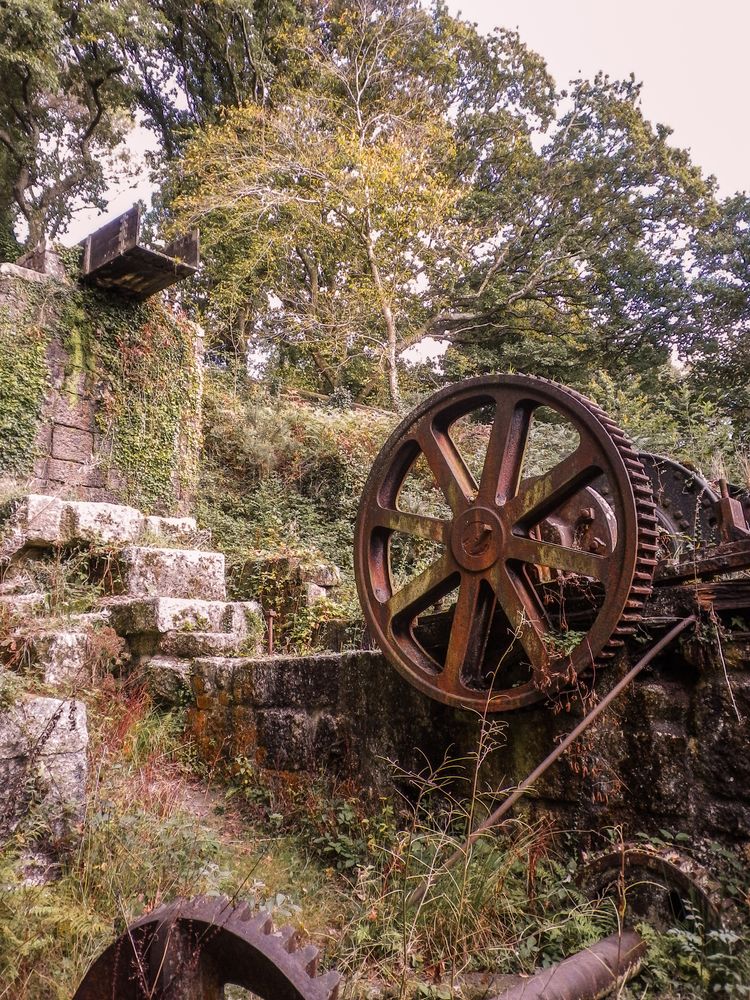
[[137, 360], [24, 377], [141, 362]]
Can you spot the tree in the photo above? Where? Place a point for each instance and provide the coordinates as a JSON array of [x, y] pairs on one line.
[[330, 221], [191, 60], [65, 104], [9, 245], [585, 247], [546, 228], [719, 351]]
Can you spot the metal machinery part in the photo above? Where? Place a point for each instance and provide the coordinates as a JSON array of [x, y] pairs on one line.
[[508, 546], [655, 884], [191, 949], [685, 505], [587, 975], [691, 512]]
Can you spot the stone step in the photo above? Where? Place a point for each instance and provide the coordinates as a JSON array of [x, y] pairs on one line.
[[132, 616], [43, 521], [177, 573], [23, 604], [192, 644], [61, 658], [288, 681], [168, 680]]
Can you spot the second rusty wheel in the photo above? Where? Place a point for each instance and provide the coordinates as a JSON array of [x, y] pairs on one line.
[[190, 949], [530, 610]]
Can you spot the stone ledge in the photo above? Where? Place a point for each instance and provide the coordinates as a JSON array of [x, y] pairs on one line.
[[160, 615], [42, 521], [173, 573], [27, 274]]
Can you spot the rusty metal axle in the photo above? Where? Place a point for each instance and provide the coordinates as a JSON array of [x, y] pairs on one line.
[[587, 975]]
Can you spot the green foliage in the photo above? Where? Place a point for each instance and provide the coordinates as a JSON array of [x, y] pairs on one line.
[[666, 414], [688, 962], [719, 351], [216, 54], [10, 248], [142, 360], [141, 845], [354, 165], [139, 359], [67, 580], [280, 485], [24, 339], [65, 104]]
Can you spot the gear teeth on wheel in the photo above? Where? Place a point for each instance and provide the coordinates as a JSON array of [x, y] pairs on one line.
[[308, 958], [253, 954], [646, 544], [630, 580]]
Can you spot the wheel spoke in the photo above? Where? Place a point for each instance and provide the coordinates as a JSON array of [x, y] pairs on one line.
[[448, 467], [525, 613], [541, 496], [505, 450], [469, 632], [422, 590], [561, 557], [418, 525]]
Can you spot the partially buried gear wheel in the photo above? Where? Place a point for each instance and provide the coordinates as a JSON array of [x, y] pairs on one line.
[[191, 949], [535, 605]]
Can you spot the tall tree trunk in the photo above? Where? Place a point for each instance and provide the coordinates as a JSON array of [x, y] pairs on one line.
[[391, 354], [10, 248]]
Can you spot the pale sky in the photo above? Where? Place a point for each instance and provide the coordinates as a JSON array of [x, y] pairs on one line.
[[692, 57]]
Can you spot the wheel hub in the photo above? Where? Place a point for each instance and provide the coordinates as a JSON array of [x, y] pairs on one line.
[[477, 539]]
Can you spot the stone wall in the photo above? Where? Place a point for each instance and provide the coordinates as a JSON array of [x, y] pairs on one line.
[[75, 451], [671, 753]]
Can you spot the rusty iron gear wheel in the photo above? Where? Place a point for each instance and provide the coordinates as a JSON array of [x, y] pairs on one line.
[[492, 547], [191, 949], [659, 884]]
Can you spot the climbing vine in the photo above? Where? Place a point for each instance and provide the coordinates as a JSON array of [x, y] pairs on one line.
[[24, 378], [141, 360], [139, 363]]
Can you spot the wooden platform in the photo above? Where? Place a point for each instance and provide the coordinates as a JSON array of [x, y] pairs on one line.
[[113, 259]]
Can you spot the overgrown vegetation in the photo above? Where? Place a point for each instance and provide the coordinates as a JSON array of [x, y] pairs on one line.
[[140, 361], [319, 856], [370, 176], [282, 475], [24, 338], [280, 484]]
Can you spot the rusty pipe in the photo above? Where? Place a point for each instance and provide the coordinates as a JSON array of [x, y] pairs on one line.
[[587, 975], [418, 894]]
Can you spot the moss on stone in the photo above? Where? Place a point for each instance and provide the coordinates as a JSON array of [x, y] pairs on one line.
[[24, 379], [137, 360]]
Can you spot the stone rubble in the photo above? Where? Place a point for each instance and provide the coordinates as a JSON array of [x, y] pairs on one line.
[[43, 765], [169, 602]]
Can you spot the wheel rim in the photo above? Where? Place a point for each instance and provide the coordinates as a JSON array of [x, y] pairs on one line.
[[193, 948], [491, 539]]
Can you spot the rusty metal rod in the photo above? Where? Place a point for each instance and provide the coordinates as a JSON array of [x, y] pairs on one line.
[[587, 975], [418, 894]]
